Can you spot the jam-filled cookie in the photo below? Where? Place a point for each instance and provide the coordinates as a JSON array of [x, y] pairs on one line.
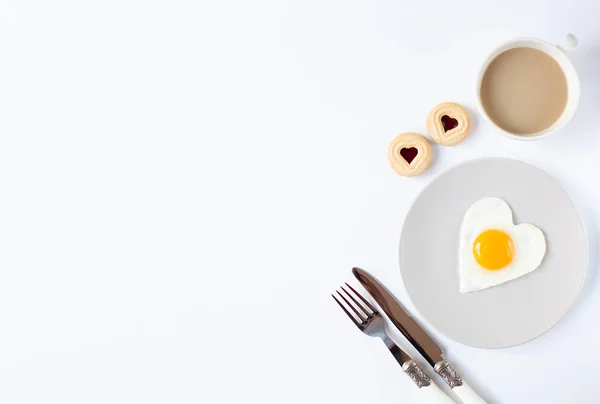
[[409, 154], [448, 124]]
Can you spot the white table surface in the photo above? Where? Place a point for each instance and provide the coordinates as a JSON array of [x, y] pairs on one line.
[[184, 183]]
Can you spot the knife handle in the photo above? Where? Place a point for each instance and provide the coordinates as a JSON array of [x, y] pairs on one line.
[[430, 391], [457, 384]]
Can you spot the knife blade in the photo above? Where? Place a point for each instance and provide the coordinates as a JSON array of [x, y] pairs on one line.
[[417, 336], [413, 332]]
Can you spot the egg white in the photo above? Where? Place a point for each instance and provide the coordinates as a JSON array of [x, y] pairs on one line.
[[494, 213]]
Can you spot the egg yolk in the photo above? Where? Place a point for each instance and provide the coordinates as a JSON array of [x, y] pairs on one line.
[[493, 249]]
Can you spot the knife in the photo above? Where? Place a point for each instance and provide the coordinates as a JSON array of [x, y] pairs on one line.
[[417, 336]]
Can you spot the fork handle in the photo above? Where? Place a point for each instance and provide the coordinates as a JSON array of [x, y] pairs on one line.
[[432, 394], [457, 384]]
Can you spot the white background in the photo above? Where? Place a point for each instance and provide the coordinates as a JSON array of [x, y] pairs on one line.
[[184, 183]]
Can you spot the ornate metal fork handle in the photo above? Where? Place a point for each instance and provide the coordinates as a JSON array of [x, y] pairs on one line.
[[409, 366]]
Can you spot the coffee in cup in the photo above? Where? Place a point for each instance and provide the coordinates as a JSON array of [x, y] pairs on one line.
[[528, 88]]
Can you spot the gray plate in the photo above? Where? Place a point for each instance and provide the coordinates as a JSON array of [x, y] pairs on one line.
[[514, 312]]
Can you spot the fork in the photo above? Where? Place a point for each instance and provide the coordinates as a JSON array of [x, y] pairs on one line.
[[372, 323]]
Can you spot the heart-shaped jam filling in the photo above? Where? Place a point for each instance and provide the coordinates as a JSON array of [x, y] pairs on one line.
[[409, 154], [449, 123]]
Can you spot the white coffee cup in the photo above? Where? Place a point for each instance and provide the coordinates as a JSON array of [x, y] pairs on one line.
[[558, 53]]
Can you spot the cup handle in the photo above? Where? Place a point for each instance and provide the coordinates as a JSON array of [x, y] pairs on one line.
[[569, 43]]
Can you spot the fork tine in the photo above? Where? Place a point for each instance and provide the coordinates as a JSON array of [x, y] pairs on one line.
[[357, 303], [365, 301], [362, 319], [346, 311]]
